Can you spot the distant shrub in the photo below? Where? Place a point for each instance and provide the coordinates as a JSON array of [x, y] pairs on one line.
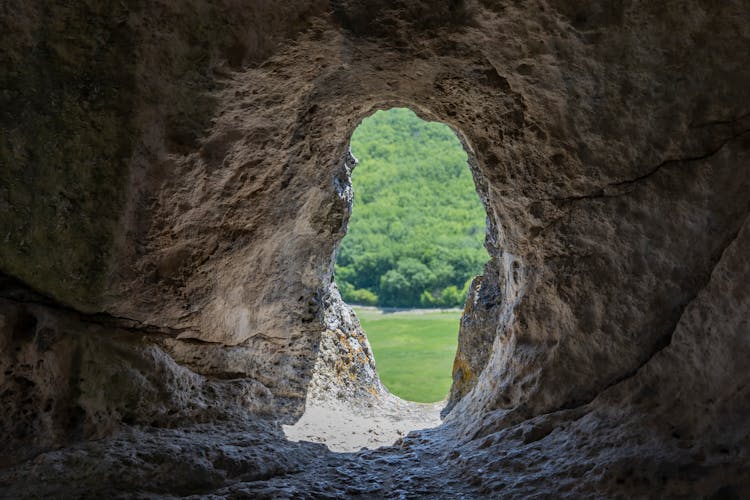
[[362, 297]]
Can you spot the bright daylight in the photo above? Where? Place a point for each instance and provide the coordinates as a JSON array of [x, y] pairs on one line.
[[414, 243]]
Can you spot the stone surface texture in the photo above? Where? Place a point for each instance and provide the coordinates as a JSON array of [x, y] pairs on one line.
[[175, 179]]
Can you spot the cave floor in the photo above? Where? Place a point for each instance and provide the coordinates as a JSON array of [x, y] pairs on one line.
[[343, 428], [236, 460]]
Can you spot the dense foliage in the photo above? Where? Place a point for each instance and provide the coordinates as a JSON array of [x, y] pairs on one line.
[[417, 228]]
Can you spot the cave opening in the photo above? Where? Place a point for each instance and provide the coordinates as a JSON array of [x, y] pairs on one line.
[[413, 246]]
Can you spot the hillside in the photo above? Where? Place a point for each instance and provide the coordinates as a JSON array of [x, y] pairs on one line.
[[416, 233]]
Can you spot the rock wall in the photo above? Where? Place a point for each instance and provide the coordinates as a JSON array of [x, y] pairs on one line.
[[174, 181]]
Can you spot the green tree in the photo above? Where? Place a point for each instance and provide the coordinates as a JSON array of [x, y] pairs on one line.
[[417, 226], [394, 289]]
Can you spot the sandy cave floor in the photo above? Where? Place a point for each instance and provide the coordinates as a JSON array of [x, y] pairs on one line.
[[343, 428]]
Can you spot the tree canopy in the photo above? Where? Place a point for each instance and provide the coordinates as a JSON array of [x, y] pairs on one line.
[[417, 228]]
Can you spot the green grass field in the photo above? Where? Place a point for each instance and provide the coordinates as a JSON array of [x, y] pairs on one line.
[[413, 350]]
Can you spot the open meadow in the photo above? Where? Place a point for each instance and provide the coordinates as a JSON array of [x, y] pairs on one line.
[[413, 349]]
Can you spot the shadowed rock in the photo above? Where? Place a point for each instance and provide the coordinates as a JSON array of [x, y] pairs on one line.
[[174, 182]]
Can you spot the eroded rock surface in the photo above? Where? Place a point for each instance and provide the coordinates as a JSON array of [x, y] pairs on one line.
[[174, 181]]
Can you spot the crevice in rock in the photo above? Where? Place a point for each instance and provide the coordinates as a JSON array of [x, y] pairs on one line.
[[602, 192], [690, 159], [15, 290], [727, 121]]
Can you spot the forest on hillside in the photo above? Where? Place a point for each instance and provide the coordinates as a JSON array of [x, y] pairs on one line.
[[416, 233]]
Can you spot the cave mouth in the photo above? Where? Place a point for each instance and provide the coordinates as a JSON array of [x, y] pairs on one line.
[[414, 243]]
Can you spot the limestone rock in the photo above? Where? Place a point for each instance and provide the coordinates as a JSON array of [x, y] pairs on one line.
[[174, 182]]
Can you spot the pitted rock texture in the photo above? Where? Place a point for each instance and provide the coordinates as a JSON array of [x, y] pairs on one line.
[[174, 182]]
